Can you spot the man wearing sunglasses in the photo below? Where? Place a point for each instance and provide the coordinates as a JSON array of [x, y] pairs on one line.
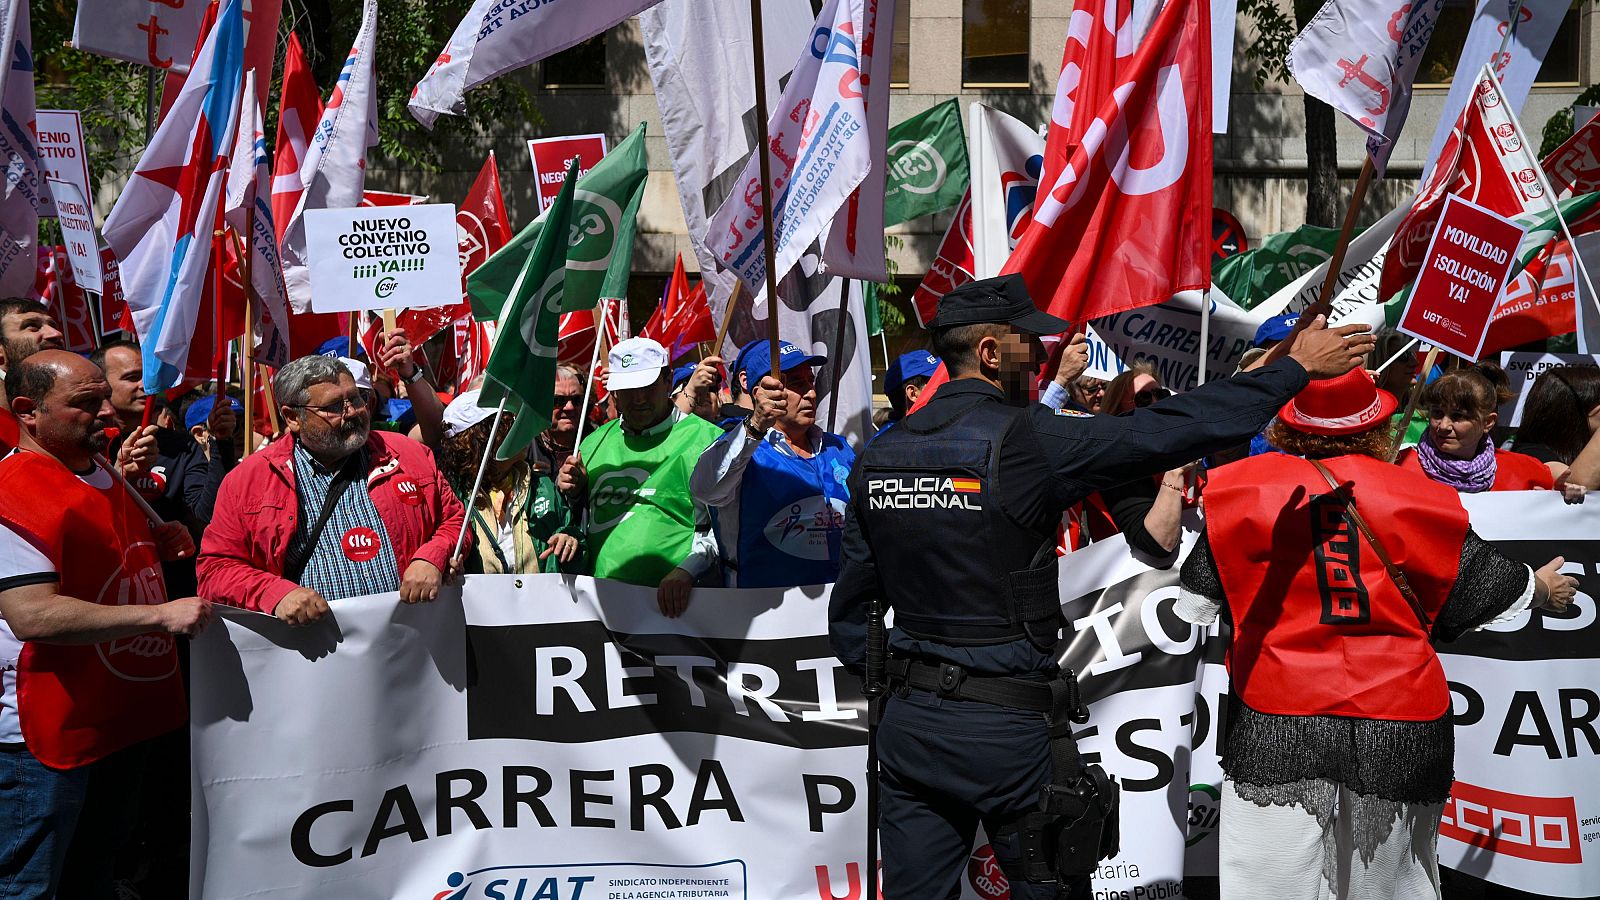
[[336, 510]]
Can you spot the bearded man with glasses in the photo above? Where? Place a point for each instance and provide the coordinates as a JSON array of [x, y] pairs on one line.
[[336, 510]]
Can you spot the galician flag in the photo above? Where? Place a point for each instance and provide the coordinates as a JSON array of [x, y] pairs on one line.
[[927, 164], [522, 365], [161, 226], [335, 166], [249, 213], [599, 253]]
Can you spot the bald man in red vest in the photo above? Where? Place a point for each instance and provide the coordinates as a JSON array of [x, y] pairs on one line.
[[1337, 571], [88, 663]]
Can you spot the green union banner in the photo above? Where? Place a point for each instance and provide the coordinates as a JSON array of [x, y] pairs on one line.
[[927, 166]]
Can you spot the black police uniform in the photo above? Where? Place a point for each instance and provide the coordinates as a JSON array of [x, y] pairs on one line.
[[952, 524]]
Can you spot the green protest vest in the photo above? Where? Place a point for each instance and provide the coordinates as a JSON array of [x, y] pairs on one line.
[[641, 516]]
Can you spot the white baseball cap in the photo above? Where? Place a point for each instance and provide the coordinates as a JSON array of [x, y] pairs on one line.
[[635, 363], [463, 413], [358, 371]]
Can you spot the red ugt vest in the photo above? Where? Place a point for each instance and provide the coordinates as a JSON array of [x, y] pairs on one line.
[[1319, 627], [80, 703]]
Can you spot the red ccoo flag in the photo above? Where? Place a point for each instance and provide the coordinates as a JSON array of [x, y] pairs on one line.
[[1127, 223], [299, 110]]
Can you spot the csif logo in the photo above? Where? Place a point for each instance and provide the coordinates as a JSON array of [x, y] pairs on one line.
[[917, 166], [385, 286], [614, 495], [593, 235]]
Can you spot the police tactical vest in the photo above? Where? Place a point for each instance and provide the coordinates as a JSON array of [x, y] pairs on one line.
[[953, 566]]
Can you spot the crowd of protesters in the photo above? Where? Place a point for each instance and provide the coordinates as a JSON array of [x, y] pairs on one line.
[[707, 475]]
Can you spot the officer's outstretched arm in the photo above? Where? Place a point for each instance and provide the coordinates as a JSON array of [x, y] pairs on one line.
[[1093, 452]]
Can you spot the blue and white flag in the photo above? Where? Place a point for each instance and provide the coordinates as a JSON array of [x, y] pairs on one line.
[[248, 211], [23, 190], [161, 227], [334, 169], [820, 150]]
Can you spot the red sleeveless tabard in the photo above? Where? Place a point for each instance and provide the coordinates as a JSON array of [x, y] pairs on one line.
[[1319, 627], [80, 703]]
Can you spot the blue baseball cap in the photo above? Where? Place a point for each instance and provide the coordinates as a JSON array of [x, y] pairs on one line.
[[916, 364], [756, 358], [200, 410], [337, 347], [681, 374], [1275, 329]]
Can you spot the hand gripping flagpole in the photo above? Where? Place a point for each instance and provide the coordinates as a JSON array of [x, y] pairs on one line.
[[477, 482], [763, 155]]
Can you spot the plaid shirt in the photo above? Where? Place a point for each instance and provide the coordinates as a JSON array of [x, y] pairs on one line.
[[330, 571]]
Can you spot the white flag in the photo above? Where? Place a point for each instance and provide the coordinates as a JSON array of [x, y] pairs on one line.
[[156, 33], [1360, 57], [1006, 157], [818, 151], [247, 209], [498, 35], [335, 167], [23, 192], [1537, 21], [701, 63], [854, 246]]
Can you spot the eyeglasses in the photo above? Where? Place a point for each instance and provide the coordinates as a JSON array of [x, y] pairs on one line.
[[563, 399], [337, 409], [1145, 398]]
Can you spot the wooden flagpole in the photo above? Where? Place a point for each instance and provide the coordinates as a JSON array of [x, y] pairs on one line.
[[1412, 396], [763, 155], [727, 316]]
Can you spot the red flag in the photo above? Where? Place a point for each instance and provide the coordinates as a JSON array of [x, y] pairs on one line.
[[939, 377], [575, 341], [114, 312], [1482, 161], [263, 402], [952, 266], [1574, 167], [683, 318], [1539, 302], [1089, 69], [1128, 221], [390, 198], [299, 110]]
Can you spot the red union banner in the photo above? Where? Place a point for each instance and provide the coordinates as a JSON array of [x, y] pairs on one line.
[[1463, 273], [951, 268], [1543, 829], [552, 155]]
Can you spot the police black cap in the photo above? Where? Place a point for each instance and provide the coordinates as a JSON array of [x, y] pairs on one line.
[[1002, 300]]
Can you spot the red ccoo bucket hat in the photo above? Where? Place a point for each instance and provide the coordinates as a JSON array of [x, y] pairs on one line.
[[1348, 404]]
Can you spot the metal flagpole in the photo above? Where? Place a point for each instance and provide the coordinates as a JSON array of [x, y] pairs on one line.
[[1549, 193], [1205, 335], [1402, 352], [763, 156], [588, 379], [477, 483], [837, 358]]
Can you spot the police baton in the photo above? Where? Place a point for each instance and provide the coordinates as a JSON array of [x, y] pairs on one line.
[[874, 688]]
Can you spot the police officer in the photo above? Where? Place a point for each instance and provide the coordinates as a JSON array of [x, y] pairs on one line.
[[952, 524]]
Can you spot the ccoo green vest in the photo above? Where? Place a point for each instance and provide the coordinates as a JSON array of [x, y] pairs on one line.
[[641, 515]]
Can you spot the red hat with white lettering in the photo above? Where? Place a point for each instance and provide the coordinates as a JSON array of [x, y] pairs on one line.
[[1349, 404]]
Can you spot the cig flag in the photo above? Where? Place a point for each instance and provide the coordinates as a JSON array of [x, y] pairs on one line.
[[299, 109], [522, 366], [497, 36], [1360, 57], [335, 166], [161, 225]]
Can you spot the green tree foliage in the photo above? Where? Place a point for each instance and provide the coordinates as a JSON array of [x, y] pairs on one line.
[[1559, 126], [110, 94], [1269, 49]]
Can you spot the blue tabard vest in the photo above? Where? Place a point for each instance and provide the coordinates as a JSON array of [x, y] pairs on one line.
[[791, 515]]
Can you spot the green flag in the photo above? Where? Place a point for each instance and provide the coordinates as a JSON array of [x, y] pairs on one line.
[[600, 249], [874, 314], [1254, 275], [927, 164], [522, 365], [1543, 229]]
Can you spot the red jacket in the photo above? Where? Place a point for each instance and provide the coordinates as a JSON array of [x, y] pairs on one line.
[[243, 550]]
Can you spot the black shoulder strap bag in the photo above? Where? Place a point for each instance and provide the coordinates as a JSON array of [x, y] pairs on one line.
[[295, 564]]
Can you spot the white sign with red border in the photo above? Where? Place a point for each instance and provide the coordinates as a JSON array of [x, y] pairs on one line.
[[551, 156], [1463, 275], [61, 155], [76, 218]]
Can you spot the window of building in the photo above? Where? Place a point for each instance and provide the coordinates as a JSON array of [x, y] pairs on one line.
[[1443, 55], [900, 65], [994, 43], [581, 65]]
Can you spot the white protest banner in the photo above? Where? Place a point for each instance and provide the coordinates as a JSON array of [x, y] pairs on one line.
[[552, 156], [1357, 283], [375, 257], [1524, 369], [156, 33], [77, 234], [61, 158], [529, 736]]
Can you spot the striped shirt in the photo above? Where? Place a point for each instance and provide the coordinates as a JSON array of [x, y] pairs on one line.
[[353, 556]]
